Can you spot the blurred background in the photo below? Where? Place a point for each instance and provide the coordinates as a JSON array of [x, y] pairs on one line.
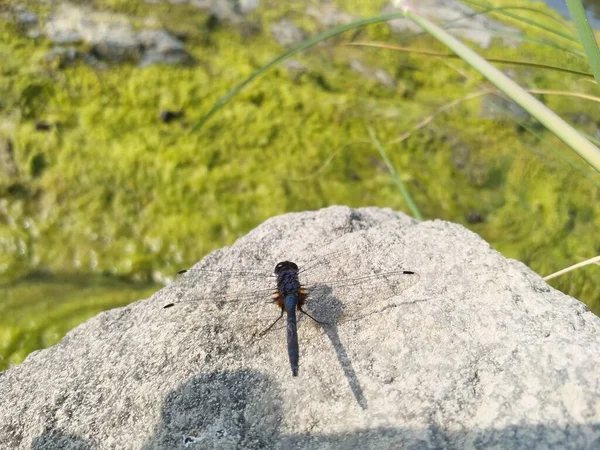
[[107, 189]]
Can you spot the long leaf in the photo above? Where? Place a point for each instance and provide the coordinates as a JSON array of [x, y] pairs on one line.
[[586, 35], [403, 190], [418, 51], [303, 46], [505, 11], [537, 109]]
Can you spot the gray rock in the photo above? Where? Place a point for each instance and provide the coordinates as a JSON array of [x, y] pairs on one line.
[[34, 33], [63, 27], [232, 11], [380, 75], [158, 46], [225, 10], [294, 68], [8, 163], [111, 35], [26, 17], [479, 353], [328, 15], [222, 8], [479, 28], [200, 4], [63, 56], [286, 33], [247, 6], [160, 40], [13, 12], [497, 107], [113, 38]]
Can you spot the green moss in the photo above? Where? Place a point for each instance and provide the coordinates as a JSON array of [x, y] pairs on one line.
[[37, 311], [111, 190]]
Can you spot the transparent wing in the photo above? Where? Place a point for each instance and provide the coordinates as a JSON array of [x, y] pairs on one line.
[[352, 298], [224, 273], [330, 300], [222, 299], [223, 286], [308, 267]]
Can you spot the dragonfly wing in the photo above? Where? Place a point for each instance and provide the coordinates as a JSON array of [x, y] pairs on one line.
[[220, 287], [225, 273], [353, 298], [323, 259]]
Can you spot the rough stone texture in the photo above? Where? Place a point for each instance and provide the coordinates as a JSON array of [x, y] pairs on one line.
[[329, 16], [8, 164], [478, 28], [294, 68], [112, 37], [160, 47], [380, 75], [286, 33], [227, 10], [480, 353], [25, 17], [496, 107]]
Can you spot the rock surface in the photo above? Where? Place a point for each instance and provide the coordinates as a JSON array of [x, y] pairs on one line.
[[112, 37], [480, 353], [460, 19], [286, 33]]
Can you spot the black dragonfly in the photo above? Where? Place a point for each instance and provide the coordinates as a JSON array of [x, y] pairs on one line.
[[295, 288]]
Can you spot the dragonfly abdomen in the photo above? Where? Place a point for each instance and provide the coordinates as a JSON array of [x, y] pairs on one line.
[[290, 290], [290, 303]]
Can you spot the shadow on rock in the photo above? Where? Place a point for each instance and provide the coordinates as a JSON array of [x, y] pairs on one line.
[[220, 410], [55, 438], [242, 410], [436, 437], [332, 311]]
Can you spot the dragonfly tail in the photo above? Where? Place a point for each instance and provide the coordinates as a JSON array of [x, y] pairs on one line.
[[292, 333]]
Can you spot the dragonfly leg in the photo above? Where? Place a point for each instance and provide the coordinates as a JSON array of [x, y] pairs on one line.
[[262, 333], [307, 314]]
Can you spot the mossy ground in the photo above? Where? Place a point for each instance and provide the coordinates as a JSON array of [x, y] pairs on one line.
[[112, 191], [37, 311]]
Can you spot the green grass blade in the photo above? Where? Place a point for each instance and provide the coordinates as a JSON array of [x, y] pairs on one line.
[[454, 23], [537, 109], [586, 35], [417, 51], [487, 8], [401, 186], [504, 10], [560, 154], [303, 46], [587, 262], [544, 42], [519, 37]]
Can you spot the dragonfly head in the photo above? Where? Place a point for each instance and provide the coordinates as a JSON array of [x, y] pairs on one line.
[[285, 266]]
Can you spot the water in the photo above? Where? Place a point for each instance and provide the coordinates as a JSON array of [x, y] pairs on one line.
[[592, 7]]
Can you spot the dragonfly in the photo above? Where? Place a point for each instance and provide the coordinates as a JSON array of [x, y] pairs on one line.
[[291, 289]]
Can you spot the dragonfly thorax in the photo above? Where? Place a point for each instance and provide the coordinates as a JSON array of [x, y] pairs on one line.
[[287, 278]]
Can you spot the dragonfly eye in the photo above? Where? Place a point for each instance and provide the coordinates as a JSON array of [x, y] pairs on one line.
[[285, 266]]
